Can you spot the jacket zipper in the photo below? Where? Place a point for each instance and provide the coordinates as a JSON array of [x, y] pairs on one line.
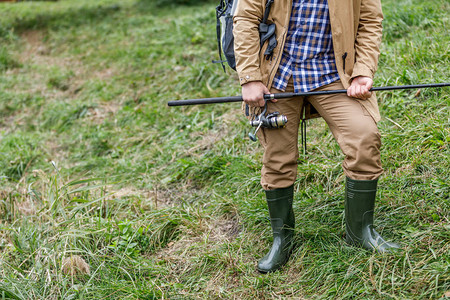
[[343, 58]]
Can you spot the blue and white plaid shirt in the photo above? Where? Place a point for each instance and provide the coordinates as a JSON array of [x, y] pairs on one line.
[[308, 51]]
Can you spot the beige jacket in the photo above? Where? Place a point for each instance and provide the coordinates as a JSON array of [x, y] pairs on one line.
[[356, 31]]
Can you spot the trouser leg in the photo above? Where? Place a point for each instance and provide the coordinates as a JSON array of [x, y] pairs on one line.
[[355, 131], [280, 157]]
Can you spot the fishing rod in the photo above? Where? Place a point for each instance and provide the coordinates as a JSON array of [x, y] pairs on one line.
[[301, 94], [276, 119]]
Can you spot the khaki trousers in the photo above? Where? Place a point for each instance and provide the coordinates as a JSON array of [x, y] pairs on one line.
[[351, 125]]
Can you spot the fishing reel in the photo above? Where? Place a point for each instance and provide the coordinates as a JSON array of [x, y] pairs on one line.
[[264, 120]]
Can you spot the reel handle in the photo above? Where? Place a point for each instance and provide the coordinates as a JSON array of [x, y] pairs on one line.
[[252, 136]]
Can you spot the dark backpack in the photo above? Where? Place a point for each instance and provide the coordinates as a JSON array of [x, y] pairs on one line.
[[224, 30]]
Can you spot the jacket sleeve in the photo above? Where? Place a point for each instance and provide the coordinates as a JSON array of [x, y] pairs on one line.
[[368, 39], [246, 20]]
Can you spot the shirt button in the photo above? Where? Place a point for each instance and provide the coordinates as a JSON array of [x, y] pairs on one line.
[[247, 77], [302, 22]]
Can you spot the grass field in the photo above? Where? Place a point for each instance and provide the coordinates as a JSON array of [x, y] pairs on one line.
[[155, 202]]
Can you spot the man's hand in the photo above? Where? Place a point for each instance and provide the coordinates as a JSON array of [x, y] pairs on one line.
[[253, 93], [360, 88]]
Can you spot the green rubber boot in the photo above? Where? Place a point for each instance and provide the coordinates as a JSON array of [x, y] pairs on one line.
[[359, 206], [282, 220]]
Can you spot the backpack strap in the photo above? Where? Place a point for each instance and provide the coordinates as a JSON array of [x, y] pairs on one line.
[[267, 11], [267, 32], [220, 10]]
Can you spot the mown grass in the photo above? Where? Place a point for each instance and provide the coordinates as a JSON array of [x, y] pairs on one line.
[[165, 202]]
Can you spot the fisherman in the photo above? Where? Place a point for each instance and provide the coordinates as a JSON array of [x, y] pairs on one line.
[[321, 45]]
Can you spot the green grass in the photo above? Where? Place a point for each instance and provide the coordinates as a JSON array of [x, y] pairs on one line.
[[165, 202]]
